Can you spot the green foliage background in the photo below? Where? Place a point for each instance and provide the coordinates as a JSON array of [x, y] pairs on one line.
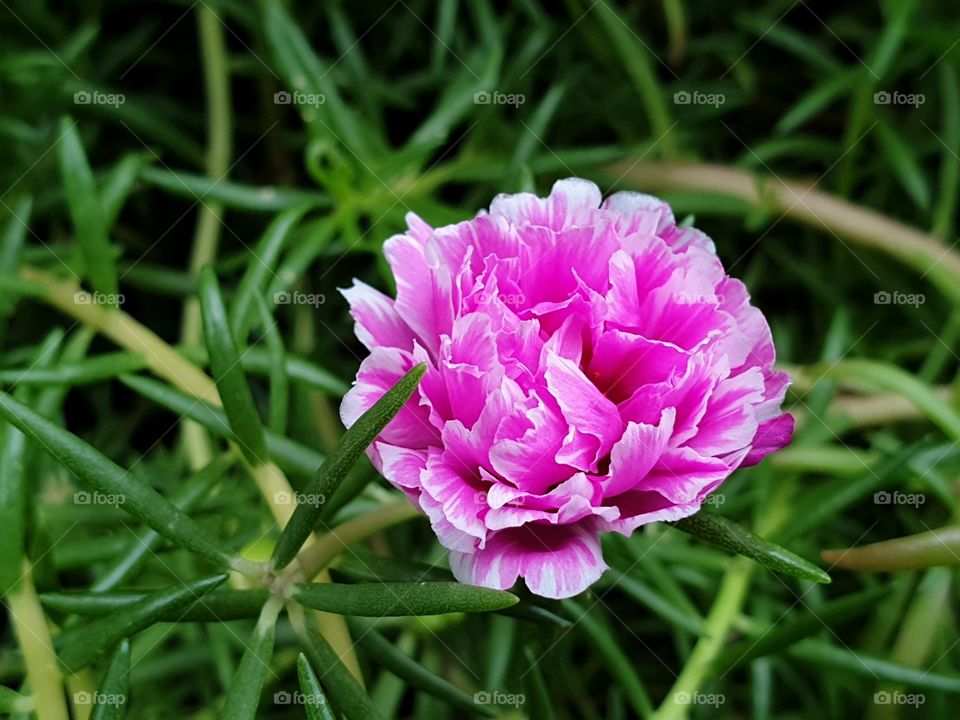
[[280, 144]]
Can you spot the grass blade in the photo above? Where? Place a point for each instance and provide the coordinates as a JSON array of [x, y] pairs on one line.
[[730, 536], [348, 697], [114, 693], [228, 372], [82, 645], [103, 475], [340, 462], [409, 669], [246, 687], [290, 455], [220, 605], [87, 213], [395, 599], [315, 702]]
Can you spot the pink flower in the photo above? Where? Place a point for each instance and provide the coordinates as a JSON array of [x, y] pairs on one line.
[[591, 368]]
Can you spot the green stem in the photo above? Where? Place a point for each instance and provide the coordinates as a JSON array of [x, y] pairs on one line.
[[318, 555], [219, 149], [33, 635], [725, 610]]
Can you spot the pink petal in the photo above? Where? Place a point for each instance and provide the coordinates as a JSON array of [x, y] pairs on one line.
[[555, 561], [595, 423], [377, 321]]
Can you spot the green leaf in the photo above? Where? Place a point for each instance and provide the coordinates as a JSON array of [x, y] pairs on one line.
[[902, 160], [825, 655], [949, 133], [91, 370], [12, 242], [348, 697], [304, 71], [247, 198], [385, 654], [220, 605], [87, 212], [14, 491], [17, 705], [816, 101], [621, 666], [119, 184], [539, 692], [82, 645], [780, 635], [890, 378], [656, 603], [394, 599], [187, 497], [263, 258], [639, 67], [730, 536], [243, 696], [314, 701], [360, 566], [290, 455], [103, 475], [914, 552], [113, 695], [279, 381], [228, 372], [341, 460]]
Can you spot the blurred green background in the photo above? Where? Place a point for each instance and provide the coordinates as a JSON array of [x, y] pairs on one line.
[[816, 142]]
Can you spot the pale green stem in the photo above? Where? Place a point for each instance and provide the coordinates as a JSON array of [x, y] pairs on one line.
[[216, 74], [36, 644]]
